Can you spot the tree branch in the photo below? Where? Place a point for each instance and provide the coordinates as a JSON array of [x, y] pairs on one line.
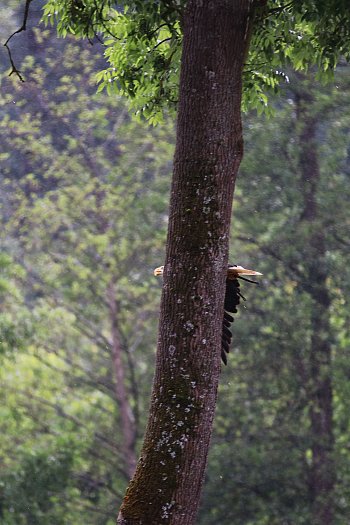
[[23, 27]]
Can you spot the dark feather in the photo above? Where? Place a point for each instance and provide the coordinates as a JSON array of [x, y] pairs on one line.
[[228, 318], [231, 295], [223, 357], [232, 299]]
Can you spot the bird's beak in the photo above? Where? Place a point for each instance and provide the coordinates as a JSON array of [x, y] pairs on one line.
[[239, 270], [158, 271]]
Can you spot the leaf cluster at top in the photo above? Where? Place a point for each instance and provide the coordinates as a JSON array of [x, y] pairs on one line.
[[143, 45]]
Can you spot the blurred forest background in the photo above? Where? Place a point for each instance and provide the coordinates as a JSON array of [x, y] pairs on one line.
[[83, 194]]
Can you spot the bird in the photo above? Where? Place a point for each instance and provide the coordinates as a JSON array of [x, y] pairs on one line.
[[232, 300]]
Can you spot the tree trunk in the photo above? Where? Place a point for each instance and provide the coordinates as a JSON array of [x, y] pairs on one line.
[[126, 418], [322, 473], [167, 482]]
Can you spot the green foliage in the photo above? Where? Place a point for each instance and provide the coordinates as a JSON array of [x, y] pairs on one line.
[[83, 206], [34, 491], [83, 192], [260, 458], [15, 325], [143, 46]]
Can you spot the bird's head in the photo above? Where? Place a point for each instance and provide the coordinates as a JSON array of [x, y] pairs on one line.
[[158, 271]]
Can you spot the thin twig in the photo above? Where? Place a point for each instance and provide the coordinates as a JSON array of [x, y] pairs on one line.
[[6, 44], [162, 42]]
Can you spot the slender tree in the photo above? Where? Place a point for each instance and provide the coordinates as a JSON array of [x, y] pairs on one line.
[[319, 370], [167, 482], [143, 47]]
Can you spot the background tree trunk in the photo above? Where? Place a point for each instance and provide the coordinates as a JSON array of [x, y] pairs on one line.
[[167, 483], [126, 417], [322, 473]]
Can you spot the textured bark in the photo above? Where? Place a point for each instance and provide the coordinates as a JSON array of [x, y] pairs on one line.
[[167, 482], [126, 418], [322, 472]]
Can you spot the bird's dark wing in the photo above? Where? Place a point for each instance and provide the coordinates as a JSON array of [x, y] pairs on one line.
[[232, 299], [232, 295]]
